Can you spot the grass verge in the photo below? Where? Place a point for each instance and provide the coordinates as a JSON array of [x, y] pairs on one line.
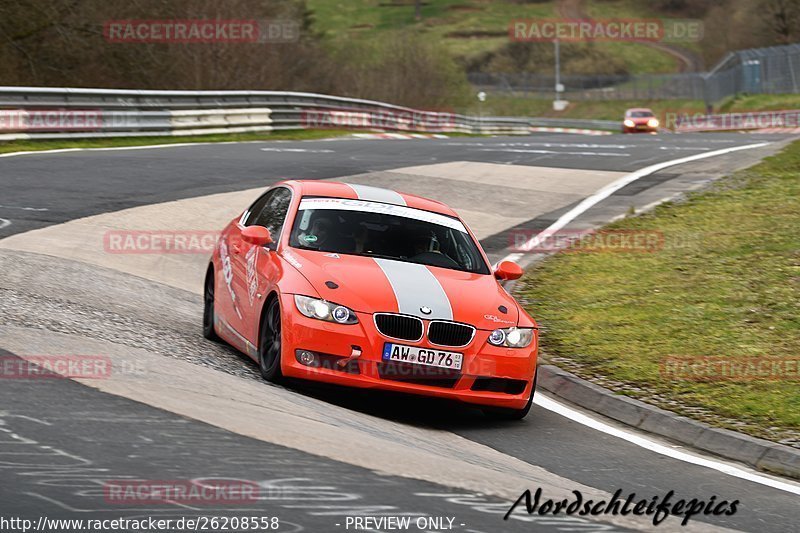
[[58, 144], [465, 28], [726, 284]]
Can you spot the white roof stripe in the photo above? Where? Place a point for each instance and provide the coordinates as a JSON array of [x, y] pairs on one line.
[[346, 204], [376, 194]]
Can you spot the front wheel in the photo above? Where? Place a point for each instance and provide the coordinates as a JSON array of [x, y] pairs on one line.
[[208, 308], [503, 413], [269, 345]]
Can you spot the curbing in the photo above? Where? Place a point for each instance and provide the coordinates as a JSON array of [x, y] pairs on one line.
[[759, 453]]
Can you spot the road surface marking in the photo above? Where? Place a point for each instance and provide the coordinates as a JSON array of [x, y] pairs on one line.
[[118, 148], [613, 187], [303, 150], [653, 446], [24, 208], [532, 151]]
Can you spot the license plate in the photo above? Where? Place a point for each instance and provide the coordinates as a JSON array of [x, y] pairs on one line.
[[422, 356]]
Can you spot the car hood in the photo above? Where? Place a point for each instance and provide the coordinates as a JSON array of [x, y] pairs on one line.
[[372, 285]]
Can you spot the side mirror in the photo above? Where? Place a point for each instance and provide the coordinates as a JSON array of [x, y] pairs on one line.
[[507, 270], [258, 235]]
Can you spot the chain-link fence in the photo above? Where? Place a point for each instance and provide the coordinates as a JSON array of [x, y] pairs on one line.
[[599, 87], [773, 70]]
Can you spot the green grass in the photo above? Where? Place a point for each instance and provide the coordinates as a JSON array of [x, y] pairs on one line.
[[290, 135], [442, 20], [640, 58], [761, 102], [633, 9], [725, 284], [465, 28]]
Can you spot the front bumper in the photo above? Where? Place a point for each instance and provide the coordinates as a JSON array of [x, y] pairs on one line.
[[639, 128], [512, 369]]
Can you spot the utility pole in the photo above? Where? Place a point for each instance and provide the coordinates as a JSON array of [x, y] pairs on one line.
[[558, 69], [558, 103]]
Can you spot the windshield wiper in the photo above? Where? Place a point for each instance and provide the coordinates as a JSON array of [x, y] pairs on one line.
[[381, 256]]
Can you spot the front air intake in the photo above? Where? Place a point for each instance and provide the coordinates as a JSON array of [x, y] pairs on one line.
[[403, 327], [452, 334]]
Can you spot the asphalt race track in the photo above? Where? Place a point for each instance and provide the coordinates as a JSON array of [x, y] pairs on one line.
[[191, 409]]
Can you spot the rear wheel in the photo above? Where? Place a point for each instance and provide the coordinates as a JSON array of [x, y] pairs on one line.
[[269, 345], [502, 413], [208, 308]]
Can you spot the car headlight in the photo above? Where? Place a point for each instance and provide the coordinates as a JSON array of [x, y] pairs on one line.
[[629, 123], [323, 310], [511, 337], [653, 122]]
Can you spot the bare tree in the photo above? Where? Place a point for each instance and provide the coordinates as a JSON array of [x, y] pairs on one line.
[[782, 18]]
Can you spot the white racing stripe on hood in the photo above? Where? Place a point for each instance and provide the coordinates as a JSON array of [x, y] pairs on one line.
[[376, 194], [415, 286]]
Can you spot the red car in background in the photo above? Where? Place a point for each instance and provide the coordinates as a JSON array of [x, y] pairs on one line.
[[640, 120], [367, 287]]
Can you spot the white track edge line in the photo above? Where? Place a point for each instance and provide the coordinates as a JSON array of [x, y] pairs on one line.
[[576, 416], [613, 187]]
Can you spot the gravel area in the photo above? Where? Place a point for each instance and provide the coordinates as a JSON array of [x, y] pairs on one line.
[[134, 312]]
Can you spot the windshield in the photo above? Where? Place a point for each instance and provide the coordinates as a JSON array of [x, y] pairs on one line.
[[357, 227], [641, 114]]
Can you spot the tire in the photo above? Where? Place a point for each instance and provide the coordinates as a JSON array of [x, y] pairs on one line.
[[208, 308], [502, 413], [269, 343]]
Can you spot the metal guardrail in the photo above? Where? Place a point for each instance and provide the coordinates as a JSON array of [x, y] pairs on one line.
[[577, 123], [52, 113]]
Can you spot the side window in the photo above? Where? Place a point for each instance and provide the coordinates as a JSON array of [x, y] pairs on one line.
[[257, 207], [270, 211]]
